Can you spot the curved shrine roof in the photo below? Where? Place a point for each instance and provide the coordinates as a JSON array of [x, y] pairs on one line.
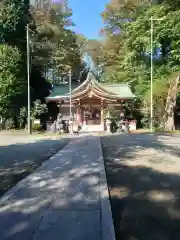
[[91, 87]]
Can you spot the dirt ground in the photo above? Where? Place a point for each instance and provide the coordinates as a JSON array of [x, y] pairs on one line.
[[143, 172]]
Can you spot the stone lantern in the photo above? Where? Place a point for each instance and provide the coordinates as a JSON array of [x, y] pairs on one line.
[[108, 122]]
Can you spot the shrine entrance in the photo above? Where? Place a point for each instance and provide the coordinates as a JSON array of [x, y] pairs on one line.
[[91, 115], [90, 112]]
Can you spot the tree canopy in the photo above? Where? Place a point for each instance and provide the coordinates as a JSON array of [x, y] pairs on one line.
[[127, 48], [53, 47]]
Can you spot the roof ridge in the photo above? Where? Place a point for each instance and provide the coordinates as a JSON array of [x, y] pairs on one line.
[[115, 84], [64, 84]]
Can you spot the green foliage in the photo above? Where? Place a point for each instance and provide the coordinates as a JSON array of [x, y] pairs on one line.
[[11, 83], [9, 124], [52, 45], [38, 109], [126, 50], [13, 22], [22, 117], [60, 49], [36, 127]]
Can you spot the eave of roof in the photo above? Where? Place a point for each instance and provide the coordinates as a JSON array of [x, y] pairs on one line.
[[111, 91]]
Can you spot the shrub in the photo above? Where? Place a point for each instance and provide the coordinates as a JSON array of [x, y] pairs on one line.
[[22, 117], [39, 109], [9, 124], [36, 127]]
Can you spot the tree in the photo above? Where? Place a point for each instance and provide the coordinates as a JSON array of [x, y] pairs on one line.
[[171, 104], [93, 48], [59, 42], [165, 49], [38, 109], [14, 17], [127, 29], [13, 23], [11, 80], [52, 46]]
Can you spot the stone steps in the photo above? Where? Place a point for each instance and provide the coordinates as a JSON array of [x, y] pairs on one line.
[[91, 128]]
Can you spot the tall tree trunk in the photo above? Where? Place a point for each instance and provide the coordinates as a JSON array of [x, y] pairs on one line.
[[170, 105]]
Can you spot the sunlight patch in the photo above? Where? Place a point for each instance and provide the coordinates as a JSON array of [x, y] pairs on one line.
[[160, 196]]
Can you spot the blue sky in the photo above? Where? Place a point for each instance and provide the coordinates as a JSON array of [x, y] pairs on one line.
[[86, 16]]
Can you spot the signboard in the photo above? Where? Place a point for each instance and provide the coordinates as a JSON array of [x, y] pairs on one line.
[[132, 125], [37, 121]]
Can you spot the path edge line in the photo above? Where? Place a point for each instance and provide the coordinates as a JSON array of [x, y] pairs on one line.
[[107, 226]]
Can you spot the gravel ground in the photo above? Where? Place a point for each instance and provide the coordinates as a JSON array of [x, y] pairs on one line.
[[20, 155], [143, 172]]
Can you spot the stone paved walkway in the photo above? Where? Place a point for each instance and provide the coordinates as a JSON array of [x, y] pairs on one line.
[[66, 198]]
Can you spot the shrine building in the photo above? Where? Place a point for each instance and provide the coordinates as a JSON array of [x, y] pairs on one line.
[[90, 101]]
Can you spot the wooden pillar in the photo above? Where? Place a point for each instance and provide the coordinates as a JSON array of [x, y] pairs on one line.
[[59, 106], [78, 115], [121, 112], [102, 115]]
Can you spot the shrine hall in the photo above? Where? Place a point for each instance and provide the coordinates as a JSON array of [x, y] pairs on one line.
[[90, 101]]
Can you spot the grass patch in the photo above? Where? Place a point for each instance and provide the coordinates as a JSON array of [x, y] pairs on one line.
[[161, 130]]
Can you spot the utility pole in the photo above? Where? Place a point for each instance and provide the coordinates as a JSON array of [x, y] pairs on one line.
[[151, 98], [28, 76], [70, 103], [151, 116], [70, 90]]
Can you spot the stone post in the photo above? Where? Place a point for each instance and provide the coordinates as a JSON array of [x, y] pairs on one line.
[[102, 115], [108, 125], [108, 122], [71, 126]]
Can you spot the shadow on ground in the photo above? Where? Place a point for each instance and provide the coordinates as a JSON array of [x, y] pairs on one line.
[[143, 172], [19, 160], [60, 200]]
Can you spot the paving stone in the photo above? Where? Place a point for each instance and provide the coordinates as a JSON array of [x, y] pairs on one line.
[[70, 225], [82, 193]]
